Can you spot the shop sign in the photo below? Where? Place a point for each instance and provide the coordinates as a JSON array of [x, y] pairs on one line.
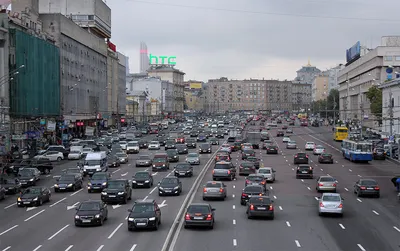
[[162, 60]]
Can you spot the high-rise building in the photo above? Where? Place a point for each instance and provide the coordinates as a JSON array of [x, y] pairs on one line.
[[307, 73], [144, 58]]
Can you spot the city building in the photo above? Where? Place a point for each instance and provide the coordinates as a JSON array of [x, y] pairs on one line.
[[92, 15], [83, 70], [333, 74], [132, 109], [144, 58], [132, 77], [175, 76], [301, 96], [391, 107], [140, 106], [121, 84], [194, 95], [319, 90], [307, 73], [364, 69]]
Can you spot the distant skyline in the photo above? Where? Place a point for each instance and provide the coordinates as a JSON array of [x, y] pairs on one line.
[[143, 58]]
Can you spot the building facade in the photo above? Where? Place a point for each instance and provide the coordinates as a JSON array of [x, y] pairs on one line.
[[301, 96], [122, 84], [307, 73], [139, 111], [319, 89], [333, 74], [112, 87], [356, 78], [83, 70], [144, 58], [390, 107]]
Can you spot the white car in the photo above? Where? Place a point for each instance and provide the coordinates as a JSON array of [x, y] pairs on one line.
[[310, 146], [132, 147], [226, 147], [330, 203], [75, 155], [268, 173], [51, 155], [154, 145], [123, 145], [291, 145], [318, 150], [286, 139]]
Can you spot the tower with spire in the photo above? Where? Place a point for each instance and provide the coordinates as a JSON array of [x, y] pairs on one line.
[[307, 73]]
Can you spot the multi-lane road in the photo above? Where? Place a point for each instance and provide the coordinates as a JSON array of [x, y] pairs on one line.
[[368, 223]]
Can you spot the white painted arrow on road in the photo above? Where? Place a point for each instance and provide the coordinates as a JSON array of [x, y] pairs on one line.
[[116, 206], [154, 174], [124, 174], [30, 208], [162, 204], [73, 206]]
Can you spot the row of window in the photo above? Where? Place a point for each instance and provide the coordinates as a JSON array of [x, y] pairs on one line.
[[392, 58]]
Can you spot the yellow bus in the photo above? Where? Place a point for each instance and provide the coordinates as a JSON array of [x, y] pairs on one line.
[[340, 133]]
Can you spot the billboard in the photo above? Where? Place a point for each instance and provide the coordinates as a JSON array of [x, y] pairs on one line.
[[196, 85], [162, 60], [354, 52]]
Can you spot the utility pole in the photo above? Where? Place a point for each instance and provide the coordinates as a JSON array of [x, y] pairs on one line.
[[334, 110], [391, 112]]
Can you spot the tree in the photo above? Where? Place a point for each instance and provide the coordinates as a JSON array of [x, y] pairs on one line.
[[374, 95]]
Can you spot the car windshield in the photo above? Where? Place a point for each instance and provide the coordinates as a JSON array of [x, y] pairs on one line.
[[32, 190], [193, 155], [222, 166], [122, 142], [89, 206], [75, 151], [92, 162], [183, 166], [180, 146], [171, 151], [330, 198], [264, 170], [252, 159], [86, 150], [247, 164], [171, 142], [205, 146], [319, 147], [301, 155], [326, 155], [99, 176], [169, 181], [159, 160], [66, 178], [213, 184], [255, 178], [260, 200], [199, 209], [310, 143], [133, 144], [115, 184], [142, 175], [154, 142], [121, 155], [143, 208], [248, 151], [144, 157], [73, 170], [326, 179], [368, 182], [292, 142], [25, 172], [252, 189]]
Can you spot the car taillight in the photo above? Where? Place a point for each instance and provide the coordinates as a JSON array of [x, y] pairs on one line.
[[267, 148], [251, 207], [205, 190], [209, 217], [213, 171], [247, 181], [260, 194], [187, 217], [221, 190], [271, 208], [244, 195], [295, 156], [310, 168], [321, 204], [334, 184], [340, 206], [377, 188], [229, 171], [362, 188], [307, 156], [263, 182], [321, 184]]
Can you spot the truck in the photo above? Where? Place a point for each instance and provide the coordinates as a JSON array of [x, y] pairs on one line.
[[232, 135], [254, 139], [178, 136]]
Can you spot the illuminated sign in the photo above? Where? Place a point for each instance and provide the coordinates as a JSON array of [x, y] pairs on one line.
[[159, 60]]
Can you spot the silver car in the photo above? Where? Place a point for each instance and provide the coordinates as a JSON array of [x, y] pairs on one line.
[[318, 150], [123, 157], [123, 144], [291, 145], [268, 173], [193, 159], [144, 160], [330, 203], [214, 189], [285, 139], [326, 183]]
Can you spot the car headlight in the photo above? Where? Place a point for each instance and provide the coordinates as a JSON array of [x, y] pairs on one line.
[[176, 187], [146, 181], [97, 216], [163, 165], [152, 218], [35, 199], [121, 193], [89, 184], [131, 219], [56, 185], [133, 181], [69, 185], [76, 216], [185, 149], [98, 169], [175, 156], [104, 183], [209, 149], [154, 165], [186, 160], [103, 193], [31, 180], [161, 188], [19, 199]]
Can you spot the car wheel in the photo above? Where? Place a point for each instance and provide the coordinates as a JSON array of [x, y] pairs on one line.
[[130, 196], [73, 188], [378, 196], [40, 202], [204, 198], [249, 216], [125, 200], [46, 171], [59, 159]]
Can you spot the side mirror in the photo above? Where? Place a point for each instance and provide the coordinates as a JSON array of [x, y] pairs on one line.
[[76, 209], [342, 198], [129, 210], [224, 185], [212, 209], [272, 200]]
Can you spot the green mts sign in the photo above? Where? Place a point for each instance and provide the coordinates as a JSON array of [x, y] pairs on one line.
[[162, 60]]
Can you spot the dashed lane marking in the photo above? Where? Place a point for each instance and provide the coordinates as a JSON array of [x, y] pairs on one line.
[[341, 225], [350, 170], [55, 203], [359, 175], [234, 242], [234, 186], [153, 190], [316, 198], [100, 248], [361, 247], [69, 248], [346, 189], [133, 247], [145, 198], [234, 222], [115, 230], [275, 197], [10, 205], [375, 212], [7, 248], [59, 231], [8, 230], [297, 243], [359, 200], [116, 170], [309, 188], [80, 190], [288, 224], [233, 207], [302, 180], [33, 216], [271, 188], [280, 208], [396, 228], [37, 248], [233, 195]]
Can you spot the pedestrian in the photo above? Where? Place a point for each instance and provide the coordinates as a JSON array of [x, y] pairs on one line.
[[398, 184]]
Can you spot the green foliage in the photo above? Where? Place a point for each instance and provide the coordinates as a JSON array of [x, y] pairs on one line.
[[328, 105], [374, 95]]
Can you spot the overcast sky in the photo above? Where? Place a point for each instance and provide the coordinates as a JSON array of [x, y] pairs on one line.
[[242, 39]]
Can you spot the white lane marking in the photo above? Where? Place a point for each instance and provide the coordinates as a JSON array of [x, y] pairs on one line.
[[346, 189], [80, 190], [33, 216], [288, 223], [342, 165], [115, 230], [69, 248], [126, 217], [302, 180], [153, 190], [275, 197], [133, 247], [7, 248], [297, 243], [289, 164], [284, 157], [100, 248], [234, 242], [234, 222], [271, 188], [8, 230], [280, 208], [309, 188], [359, 200], [233, 207], [316, 198], [359, 175], [350, 170], [341, 225], [10, 205], [146, 169], [328, 174], [396, 228], [233, 195], [37, 248], [361, 247], [292, 169], [375, 212], [145, 198], [115, 172], [154, 174], [59, 231], [55, 203], [322, 169], [124, 174], [48, 176], [286, 160]]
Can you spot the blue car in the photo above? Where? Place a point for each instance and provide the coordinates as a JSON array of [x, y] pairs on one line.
[[98, 182], [201, 138]]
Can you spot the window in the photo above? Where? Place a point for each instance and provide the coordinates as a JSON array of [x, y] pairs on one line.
[[397, 58], [388, 58]]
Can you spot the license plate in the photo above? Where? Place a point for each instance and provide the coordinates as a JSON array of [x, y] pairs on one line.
[[168, 191], [249, 196], [112, 196], [198, 218], [182, 173], [26, 203], [23, 183], [370, 188], [62, 188], [140, 184], [304, 172], [141, 224], [261, 208], [86, 221]]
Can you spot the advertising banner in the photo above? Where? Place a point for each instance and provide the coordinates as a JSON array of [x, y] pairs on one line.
[[196, 85], [354, 52]]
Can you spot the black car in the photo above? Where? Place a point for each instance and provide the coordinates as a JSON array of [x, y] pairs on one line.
[[169, 186], [325, 158], [252, 190], [142, 179], [98, 182], [191, 143], [379, 153], [199, 215], [272, 149], [68, 182], [184, 169], [162, 140], [202, 137], [143, 215], [143, 144], [118, 191], [173, 155], [114, 161], [220, 134], [205, 148], [3, 192], [91, 213], [28, 176], [280, 134], [300, 158], [248, 153], [255, 160], [194, 133], [170, 144], [367, 187], [260, 206], [214, 141], [304, 171], [182, 148], [34, 196], [10, 184]]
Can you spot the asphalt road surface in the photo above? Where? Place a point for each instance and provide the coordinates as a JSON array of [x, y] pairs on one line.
[[369, 224]]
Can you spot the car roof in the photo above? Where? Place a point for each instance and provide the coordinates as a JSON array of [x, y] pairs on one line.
[[331, 194], [147, 201], [91, 201], [214, 182], [223, 162], [255, 175], [200, 204]]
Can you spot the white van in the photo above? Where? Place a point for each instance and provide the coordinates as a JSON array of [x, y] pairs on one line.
[[164, 125], [75, 152], [95, 162]]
